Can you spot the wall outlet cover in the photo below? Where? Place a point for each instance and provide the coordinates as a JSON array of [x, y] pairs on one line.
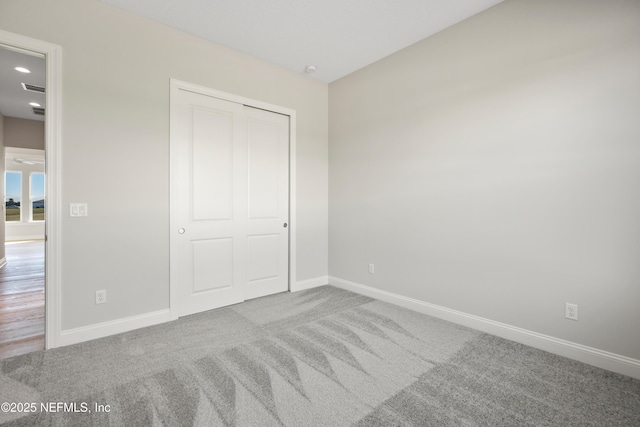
[[101, 297], [571, 311]]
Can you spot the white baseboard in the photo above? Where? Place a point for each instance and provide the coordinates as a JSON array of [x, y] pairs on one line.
[[3, 261], [310, 283], [100, 330], [589, 355]]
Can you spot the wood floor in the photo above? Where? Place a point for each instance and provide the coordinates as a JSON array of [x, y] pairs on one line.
[[22, 299]]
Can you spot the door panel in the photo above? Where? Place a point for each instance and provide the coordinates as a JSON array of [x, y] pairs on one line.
[[211, 179], [263, 148], [262, 257], [268, 198], [232, 201], [211, 164], [212, 264]]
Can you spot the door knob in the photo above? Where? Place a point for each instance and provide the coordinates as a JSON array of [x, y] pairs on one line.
[[181, 231], [284, 225]]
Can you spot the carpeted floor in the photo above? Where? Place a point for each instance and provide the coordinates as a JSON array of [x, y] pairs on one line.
[[322, 357]]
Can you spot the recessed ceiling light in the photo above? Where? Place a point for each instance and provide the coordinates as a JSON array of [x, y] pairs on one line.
[[310, 69], [22, 69], [34, 104]]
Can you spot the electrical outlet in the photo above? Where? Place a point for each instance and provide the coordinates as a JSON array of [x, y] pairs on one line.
[[372, 269], [101, 297], [571, 311]]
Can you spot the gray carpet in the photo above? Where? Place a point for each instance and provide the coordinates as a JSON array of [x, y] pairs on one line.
[[322, 357]]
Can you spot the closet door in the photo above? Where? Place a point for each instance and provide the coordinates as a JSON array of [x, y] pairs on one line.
[[268, 210], [230, 242]]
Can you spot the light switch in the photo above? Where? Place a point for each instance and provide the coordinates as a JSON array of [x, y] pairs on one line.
[[78, 209]]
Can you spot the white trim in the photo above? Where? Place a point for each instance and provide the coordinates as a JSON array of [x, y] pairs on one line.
[[3, 261], [25, 237], [293, 224], [310, 283], [175, 86], [53, 138], [592, 356], [174, 277], [118, 326], [182, 85]]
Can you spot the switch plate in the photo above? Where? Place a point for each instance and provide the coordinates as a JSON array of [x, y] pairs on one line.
[[78, 209], [372, 269]]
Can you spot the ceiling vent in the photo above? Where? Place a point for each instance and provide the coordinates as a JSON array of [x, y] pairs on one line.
[[32, 88], [38, 111]]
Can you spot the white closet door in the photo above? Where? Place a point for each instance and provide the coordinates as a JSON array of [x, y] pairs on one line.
[[268, 202], [232, 204]]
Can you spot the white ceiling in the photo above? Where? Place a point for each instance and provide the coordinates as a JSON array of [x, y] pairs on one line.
[[336, 36], [14, 100]]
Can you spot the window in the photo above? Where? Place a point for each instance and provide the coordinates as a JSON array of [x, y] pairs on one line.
[[37, 196], [13, 195]]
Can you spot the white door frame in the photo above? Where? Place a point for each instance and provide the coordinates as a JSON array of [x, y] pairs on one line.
[[177, 85], [53, 133]]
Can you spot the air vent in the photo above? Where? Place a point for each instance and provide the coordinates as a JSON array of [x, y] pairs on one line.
[[38, 111], [32, 88]]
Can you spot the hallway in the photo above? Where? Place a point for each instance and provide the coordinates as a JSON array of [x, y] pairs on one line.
[[22, 299]]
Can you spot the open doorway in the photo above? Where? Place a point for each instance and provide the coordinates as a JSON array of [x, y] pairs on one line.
[[52, 54], [22, 251]]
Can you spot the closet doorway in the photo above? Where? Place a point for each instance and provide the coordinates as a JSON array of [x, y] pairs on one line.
[[230, 204]]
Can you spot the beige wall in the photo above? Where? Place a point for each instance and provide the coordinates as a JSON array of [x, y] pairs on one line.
[[115, 147], [23, 133], [494, 169]]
